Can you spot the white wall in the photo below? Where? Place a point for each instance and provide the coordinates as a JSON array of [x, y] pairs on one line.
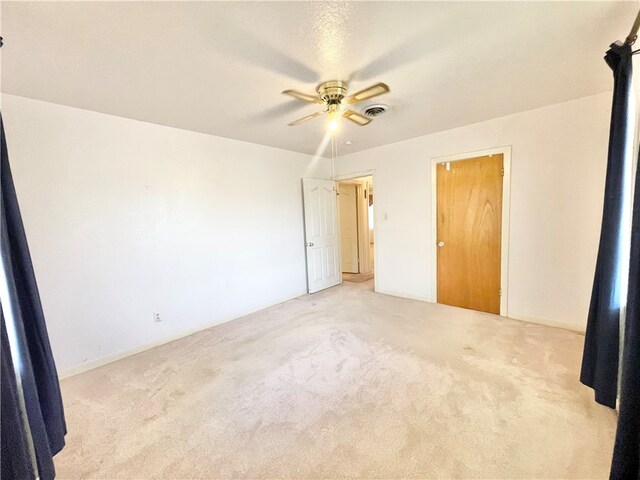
[[126, 218], [559, 158]]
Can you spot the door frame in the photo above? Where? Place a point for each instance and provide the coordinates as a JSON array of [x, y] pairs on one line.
[[506, 202], [353, 176]]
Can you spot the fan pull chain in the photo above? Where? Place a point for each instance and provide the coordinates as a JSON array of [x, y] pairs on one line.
[[334, 153]]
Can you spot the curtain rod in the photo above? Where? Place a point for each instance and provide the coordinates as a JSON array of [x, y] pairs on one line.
[[633, 35]]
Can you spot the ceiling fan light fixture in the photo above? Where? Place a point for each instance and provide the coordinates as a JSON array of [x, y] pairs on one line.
[[334, 116], [333, 122], [332, 95]]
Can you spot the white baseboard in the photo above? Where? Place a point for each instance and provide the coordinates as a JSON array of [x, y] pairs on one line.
[[549, 323], [511, 315], [404, 295], [98, 362]]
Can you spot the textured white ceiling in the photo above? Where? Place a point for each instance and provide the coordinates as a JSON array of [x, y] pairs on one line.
[[219, 67]]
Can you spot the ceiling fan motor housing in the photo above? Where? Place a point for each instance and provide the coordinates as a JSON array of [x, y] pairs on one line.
[[332, 92]]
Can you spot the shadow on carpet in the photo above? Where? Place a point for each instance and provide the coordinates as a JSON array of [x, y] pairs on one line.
[[357, 277]]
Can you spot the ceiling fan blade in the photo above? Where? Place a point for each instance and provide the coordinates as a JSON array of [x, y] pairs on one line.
[[372, 91], [303, 96], [356, 118], [304, 119]]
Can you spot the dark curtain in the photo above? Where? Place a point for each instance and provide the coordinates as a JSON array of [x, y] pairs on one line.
[[16, 462], [626, 455], [600, 358], [32, 412]]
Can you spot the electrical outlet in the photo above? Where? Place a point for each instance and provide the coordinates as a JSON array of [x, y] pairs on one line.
[[156, 317]]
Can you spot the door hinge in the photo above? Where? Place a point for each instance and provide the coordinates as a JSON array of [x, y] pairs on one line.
[[502, 171], [500, 292]]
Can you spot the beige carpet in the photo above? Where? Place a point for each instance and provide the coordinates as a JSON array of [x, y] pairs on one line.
[[344, 383]]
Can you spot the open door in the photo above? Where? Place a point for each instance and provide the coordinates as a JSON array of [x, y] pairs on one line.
[[349, 246], [321, 234]]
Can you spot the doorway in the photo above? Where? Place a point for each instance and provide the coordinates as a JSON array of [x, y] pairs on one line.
[[470, 197], [355, 200]]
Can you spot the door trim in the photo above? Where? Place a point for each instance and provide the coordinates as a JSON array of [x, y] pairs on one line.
[[506, 202], [372, 174]]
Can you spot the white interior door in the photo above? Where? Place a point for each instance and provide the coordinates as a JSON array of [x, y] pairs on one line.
[[321, 233], [348, 227]]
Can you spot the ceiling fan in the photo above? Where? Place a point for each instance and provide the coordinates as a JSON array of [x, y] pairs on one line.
[[333, 95]]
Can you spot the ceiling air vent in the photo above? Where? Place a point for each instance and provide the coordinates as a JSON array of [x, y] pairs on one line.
[[373, 111]]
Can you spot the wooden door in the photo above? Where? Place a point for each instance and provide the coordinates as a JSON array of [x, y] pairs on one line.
[[469, 208], [321, 233], [348, 227]]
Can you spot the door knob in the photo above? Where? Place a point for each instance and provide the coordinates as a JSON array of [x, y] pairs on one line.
[[441, 244]]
